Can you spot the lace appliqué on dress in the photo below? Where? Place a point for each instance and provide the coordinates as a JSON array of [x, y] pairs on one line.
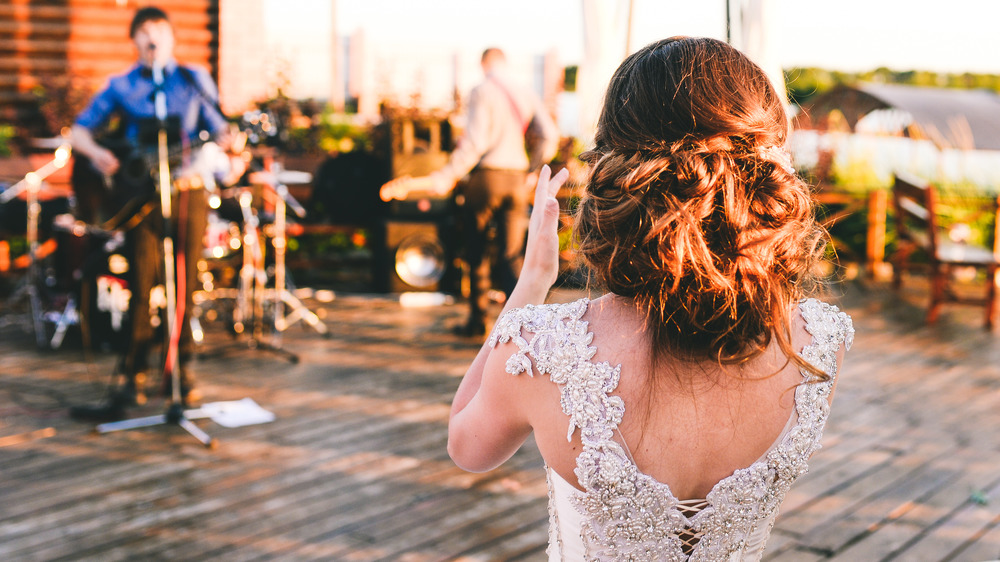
[[629, 515], [560, 346]]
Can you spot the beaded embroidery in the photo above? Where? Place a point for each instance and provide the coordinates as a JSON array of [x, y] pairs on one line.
[[629, 515]]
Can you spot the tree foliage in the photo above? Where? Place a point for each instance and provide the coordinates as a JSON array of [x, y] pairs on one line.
[[804, 83]]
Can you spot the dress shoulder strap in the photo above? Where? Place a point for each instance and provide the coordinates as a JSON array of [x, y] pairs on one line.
[[557, 340], [830, 328]]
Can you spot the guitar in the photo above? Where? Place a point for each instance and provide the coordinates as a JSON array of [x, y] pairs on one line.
[[111, 201]]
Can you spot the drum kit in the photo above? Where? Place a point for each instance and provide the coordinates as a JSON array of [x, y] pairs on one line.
[[240, 221], [79, 274], [30, 287]]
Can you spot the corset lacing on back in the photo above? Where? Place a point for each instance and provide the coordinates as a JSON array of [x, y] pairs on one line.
[[688, 538]]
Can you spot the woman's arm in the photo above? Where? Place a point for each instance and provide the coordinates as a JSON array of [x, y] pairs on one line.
[[486, 427]]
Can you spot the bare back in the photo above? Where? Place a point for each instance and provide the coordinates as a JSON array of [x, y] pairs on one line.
[[686, 424]]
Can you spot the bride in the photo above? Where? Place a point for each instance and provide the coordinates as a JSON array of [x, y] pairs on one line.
[[675, 411]]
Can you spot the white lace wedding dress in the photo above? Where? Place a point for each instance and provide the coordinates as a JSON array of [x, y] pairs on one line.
[[624, 514]]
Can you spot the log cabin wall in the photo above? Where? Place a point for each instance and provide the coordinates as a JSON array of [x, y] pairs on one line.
[[55, 54]]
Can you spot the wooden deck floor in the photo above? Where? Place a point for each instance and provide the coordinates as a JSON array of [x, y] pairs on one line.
[[355, 468]]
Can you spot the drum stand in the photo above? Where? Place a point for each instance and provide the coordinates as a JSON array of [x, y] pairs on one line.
[[29, 285], [69, 315], [282, 295], [253, 281], [253, 278]]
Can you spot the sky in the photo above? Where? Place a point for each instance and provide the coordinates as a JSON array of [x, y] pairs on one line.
[[415, 42], [952, 35]]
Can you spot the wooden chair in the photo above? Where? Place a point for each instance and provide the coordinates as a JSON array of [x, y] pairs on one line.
[[918, 230]]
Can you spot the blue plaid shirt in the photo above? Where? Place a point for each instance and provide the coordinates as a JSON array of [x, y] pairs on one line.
[[130, 97]]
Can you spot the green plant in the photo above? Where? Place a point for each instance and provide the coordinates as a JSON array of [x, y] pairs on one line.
[[849, 234], [966, 213], [858, 175], [7, 134], [338, 134], [307, 127], [569, 78], [311, 246]]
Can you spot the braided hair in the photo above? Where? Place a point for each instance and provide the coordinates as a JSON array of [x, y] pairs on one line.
[[692, 209]]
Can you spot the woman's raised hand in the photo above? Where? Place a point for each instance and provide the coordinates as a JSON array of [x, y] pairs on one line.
[[541, 256]]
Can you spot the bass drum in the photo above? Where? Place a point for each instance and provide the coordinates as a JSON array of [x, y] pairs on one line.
[[74, 247]]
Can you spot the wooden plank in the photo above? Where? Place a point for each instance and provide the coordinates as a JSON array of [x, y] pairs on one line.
[[324, 503], [875, 240], [826, 524], [960, 528], [984, 546], [355, 466], [876, 511], [795, 554], [58, 28], [904, 526], [307, 491], [451, 517], [39, 535]]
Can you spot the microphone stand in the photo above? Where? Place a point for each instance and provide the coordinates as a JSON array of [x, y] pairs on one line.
[[175, 413]]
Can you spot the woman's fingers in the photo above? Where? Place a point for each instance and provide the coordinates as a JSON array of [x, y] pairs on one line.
[[541, 259], [542, 187], [557, 182], [547, 189]]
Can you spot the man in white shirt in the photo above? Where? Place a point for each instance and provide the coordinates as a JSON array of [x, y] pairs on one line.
[[492, 151]]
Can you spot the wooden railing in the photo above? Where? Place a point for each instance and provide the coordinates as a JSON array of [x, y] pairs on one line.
[[874, 205]]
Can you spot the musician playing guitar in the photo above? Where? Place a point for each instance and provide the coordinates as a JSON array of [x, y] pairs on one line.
[[191, 113]]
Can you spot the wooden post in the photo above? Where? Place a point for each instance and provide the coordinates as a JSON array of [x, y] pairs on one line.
[[434, 130], [406, 137], [876, 231]]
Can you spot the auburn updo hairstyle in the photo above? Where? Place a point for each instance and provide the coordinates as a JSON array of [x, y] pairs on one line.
[[692, 209]]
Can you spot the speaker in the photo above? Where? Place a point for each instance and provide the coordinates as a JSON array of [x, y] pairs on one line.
[[345, 189], [416, 256]]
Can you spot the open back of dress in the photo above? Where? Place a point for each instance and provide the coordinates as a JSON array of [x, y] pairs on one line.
[[624, 514]]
